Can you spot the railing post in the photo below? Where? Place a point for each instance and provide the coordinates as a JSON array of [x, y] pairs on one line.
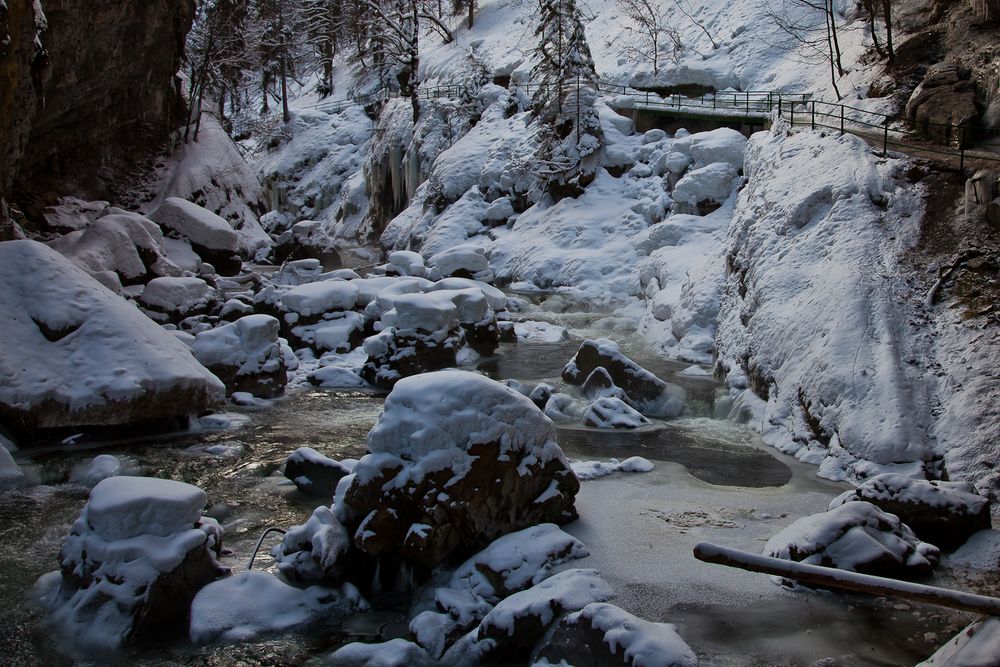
[[791, 113], [885, 139], [841, 120], [961, 148], [814, 114], [748, 102]]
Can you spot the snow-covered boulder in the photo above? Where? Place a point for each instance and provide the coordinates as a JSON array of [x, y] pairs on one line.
[[945, 514], [210, 236], [603, 634], [462, 261], [858, 537], [246, 355], [250, 604], [127, 244], [337, 332], [719, 145], [644, 391], [518, 622], [407, 263], [313, 473], [455, 461], [75, 354], [91, 473], [312, 300], [610, 412], [586, 470], [393, 653], [314, 552], [174, 299], [705, 189], [133, 561]]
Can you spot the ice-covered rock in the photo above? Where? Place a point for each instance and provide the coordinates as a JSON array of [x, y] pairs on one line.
[[603, 634], [455, 461], [210, 236], [540, 332], [564, 409], [174, 299], [314, 552], [11, 475], [133, 561], [645, 392], [858, 537], [541, 393], [945, 514], [611, 412], [75, 354], [518, 622], [246, 355], [127, 244], [250, 604], [313, 473]]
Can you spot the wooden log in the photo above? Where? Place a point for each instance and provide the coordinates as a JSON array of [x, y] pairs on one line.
[[851, 581]]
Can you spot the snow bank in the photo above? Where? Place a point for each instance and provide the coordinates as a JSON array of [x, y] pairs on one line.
[[76, 354], [820, 337]]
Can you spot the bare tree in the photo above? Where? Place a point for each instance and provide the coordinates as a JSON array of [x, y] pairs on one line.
[[649, 31], [812, 25]]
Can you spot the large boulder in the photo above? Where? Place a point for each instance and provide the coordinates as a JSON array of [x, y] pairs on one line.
[[943, 102], [211, 236], [133, 562], [945, 514], [172, 299], [315, 474], [643, 390], [246, 355], [455, 461], [602, 634], [857, 537], [75, 354]]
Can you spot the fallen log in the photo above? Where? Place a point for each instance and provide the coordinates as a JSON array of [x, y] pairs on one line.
[[851, 581]]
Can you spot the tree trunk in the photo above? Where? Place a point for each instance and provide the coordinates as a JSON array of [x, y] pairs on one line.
[[887, 17], [872, 13], [832, 18], [831, 58], [472, 12], [285, 115]]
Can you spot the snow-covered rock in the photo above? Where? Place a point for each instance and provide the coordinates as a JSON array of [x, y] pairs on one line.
[[603, 634], [393, 653], [133, 561], [314, 552], [313, 473], [246, 355], [945, 514], [705, 189], [720, 145], [210, 236], [462, 261], [858, 537], [245, 606], [75, 354], [90, 473], [312, 300], [11, 474], [407, 263], [610, 412], [644, 391], [174, 299], [585, 470], [482, 459], [127, 244]]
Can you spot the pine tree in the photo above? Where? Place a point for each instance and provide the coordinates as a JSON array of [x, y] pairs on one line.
[[570, 131]]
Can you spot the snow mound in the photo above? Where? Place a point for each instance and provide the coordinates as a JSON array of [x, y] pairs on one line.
[[317, 298], [123, 507], [76, 354], [585, 470], [720, 145], [711, 183], [244, 606]]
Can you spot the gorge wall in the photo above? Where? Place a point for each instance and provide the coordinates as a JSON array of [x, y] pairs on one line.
[[87, 92]]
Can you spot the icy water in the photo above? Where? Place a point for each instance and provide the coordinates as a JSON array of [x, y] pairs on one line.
[[714, 481]]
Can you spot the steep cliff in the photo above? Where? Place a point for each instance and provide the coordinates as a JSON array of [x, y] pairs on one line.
[[91, 101]]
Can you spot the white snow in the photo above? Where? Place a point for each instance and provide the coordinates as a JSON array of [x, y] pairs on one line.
[[639, 642], [244, 606], [393, 653], [316, 298], [540, 332], [310, 552], [712, 182], [198, 225], [466, 257], [586, 470], [122, 507]]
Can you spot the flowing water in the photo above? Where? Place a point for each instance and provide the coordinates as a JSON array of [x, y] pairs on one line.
[[714, 481]]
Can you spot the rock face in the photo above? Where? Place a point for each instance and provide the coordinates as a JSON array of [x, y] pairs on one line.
[[109, 90], [858, 537], [942, 102], [134, 560], [455, 461], [76, 354], [945, 514]]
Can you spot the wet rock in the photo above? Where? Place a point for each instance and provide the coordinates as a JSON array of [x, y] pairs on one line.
[[76, 354], [945, 514], [643, 390], [313, 473], [610, 412], [943, 102], [215, 241], [246, 355], [602, 634], [858, 537], [393, 355], [133, 562], [455, 461]]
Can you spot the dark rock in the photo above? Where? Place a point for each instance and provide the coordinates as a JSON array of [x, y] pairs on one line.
[[942, 103], [313, 473], [541, 394], [506, 331], [945, 514], [392, 356]]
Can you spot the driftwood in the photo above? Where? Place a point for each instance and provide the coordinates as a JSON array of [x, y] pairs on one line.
[[851, 581]]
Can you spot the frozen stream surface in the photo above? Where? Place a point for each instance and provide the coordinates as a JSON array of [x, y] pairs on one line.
[[713, 481]]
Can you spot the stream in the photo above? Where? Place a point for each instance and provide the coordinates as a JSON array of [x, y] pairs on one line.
[[714, 480]]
